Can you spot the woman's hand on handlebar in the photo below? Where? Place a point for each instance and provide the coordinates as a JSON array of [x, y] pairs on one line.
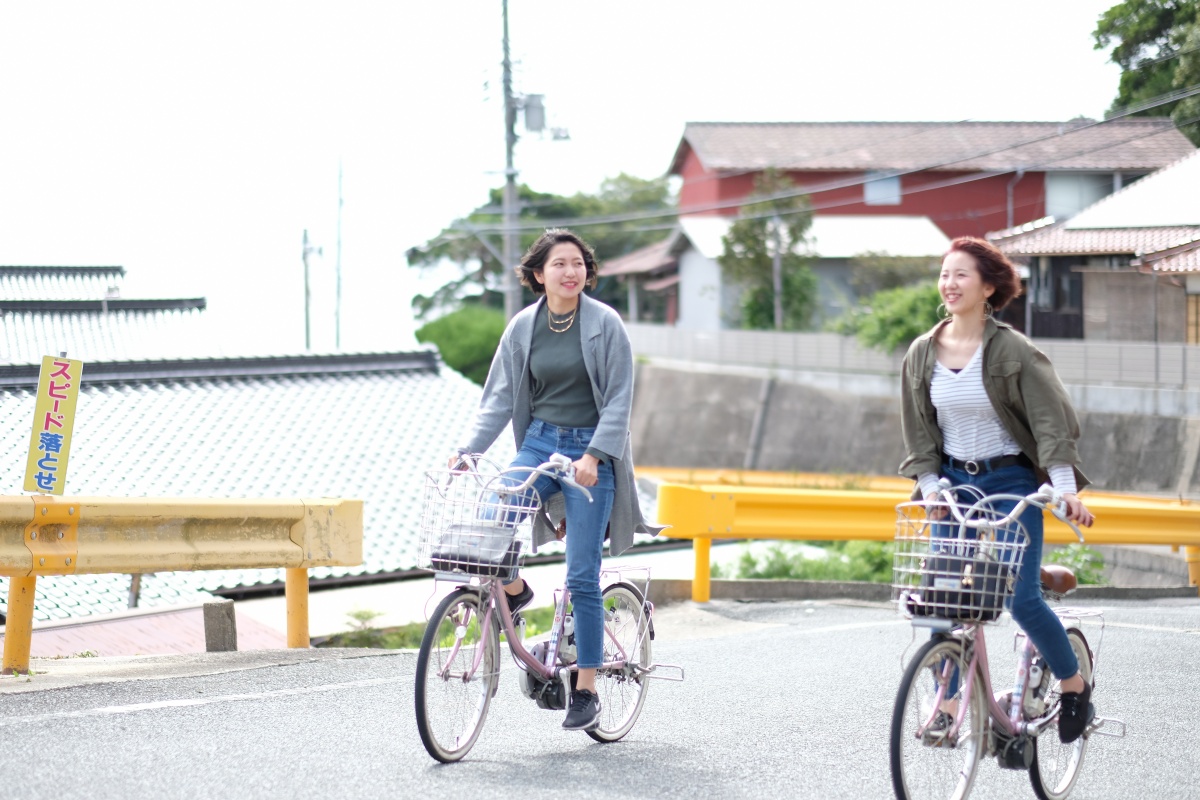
[[933, 510], [1077, 512], [586, 470]]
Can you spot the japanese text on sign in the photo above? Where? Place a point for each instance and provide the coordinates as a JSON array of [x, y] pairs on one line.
[[53, 419]]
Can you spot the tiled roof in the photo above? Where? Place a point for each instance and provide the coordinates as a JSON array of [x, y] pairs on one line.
[[1159, 211], [364, 426], [652, 258], [1184, 257], [1166, 198], [115, 335], [1061, 241], [1136, 144], [59, 283]]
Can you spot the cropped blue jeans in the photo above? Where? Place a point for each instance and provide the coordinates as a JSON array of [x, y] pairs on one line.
[[1028, 608], [586, 524]]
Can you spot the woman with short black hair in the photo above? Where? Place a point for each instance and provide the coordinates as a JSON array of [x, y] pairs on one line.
[[563, 375]]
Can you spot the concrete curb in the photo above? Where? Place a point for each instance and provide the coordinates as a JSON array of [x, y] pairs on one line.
[[673, 590]]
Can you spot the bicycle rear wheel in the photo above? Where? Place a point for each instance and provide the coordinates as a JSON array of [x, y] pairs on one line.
[[927, 762], [622, 691], [457, 670], [1056, 765]]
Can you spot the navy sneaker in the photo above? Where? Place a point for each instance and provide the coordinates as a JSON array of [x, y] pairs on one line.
[[583, 712], [1075, 712]]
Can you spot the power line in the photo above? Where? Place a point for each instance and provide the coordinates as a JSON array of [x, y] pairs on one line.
[[858, 181]]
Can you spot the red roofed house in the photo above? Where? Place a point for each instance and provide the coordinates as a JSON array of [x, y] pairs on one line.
[[966, 178], [1126, 268]]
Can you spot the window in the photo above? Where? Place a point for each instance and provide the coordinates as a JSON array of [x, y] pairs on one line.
[[881, 189]]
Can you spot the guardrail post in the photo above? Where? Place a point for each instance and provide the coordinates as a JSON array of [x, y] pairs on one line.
[[1191, 554], [702, 582], [18, 628], [296, 591]]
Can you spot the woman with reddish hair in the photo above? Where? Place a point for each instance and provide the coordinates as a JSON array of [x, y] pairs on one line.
[[981, 406]]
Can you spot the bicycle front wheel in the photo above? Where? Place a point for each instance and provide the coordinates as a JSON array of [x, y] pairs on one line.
[[930, 759], [1056, 765], [622, 690], [457, 670]]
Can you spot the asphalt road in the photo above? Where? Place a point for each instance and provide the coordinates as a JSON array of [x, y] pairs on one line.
[[783, 699]]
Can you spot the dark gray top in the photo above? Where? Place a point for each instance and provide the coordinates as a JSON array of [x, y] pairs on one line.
[[560, 390], [608, 359]]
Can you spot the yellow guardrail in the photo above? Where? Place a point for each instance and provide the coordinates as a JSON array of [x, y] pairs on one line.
[[737, 508], [47, 535]]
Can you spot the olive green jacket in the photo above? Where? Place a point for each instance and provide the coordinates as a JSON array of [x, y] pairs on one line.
[[1024, 389]]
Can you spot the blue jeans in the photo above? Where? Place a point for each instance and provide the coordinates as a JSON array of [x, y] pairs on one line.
[[586, 523], [1029, 609]]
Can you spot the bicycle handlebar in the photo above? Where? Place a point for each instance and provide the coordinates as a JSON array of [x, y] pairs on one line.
[[559, 466], [1046, 497]]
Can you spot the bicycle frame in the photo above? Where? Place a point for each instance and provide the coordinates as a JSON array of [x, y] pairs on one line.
[[1010, 723], [547, 671]]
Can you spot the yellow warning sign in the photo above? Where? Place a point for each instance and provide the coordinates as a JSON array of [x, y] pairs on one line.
[[53, 419]]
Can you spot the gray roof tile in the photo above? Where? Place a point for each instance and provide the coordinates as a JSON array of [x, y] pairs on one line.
[[60, 283], [321, 427], [1137, 144]]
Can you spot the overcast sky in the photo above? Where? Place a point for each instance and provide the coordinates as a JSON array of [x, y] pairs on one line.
[[193, 143]]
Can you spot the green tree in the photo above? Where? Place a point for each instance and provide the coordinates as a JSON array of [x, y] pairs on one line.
[[467, 339], [875, 272], [892, 318], [473, 242], [774, 223], [1151, 40]]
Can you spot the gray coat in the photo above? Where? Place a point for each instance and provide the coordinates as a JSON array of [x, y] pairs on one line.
[[608, 358]]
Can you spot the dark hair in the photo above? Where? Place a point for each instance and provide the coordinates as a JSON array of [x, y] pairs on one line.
[[994, 268], [535, 257]]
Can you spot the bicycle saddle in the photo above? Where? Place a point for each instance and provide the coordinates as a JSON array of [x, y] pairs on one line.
[[1058, 579]]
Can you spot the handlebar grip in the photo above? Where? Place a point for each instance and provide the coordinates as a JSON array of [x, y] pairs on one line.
[[1057, 506]]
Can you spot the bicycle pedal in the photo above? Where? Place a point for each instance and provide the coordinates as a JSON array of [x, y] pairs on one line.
[[1103, 726]]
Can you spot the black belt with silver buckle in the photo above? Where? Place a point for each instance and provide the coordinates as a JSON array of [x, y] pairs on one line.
[[976, 466]]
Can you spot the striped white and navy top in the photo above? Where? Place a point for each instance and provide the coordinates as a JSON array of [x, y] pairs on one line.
[[971, 430]]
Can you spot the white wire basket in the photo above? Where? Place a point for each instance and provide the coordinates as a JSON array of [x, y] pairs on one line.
[[468, 527], [950, 570]]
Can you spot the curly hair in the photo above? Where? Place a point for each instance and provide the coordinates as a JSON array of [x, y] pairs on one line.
[[534, 260], [994, 268]]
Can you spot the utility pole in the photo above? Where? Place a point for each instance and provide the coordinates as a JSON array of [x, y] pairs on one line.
[[305, 250], [512, 289], [337, 308], [777, 272]]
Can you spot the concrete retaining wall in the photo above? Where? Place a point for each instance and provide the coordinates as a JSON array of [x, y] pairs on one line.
[[687, 418]]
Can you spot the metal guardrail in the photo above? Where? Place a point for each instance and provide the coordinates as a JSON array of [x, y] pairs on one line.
[[1078, 361], [47, 535], [728, 511]]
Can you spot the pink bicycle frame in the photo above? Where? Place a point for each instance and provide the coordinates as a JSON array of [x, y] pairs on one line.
[[545, 671]]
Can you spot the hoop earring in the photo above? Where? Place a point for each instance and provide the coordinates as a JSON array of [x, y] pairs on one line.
[[987, 310], [942, 311]]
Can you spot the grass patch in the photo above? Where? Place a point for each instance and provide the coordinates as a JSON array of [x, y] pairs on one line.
[[1084, 561], [363, 633], [843, 561]]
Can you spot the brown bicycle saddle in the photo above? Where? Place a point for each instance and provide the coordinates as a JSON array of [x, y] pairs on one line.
[[1058, 579]]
